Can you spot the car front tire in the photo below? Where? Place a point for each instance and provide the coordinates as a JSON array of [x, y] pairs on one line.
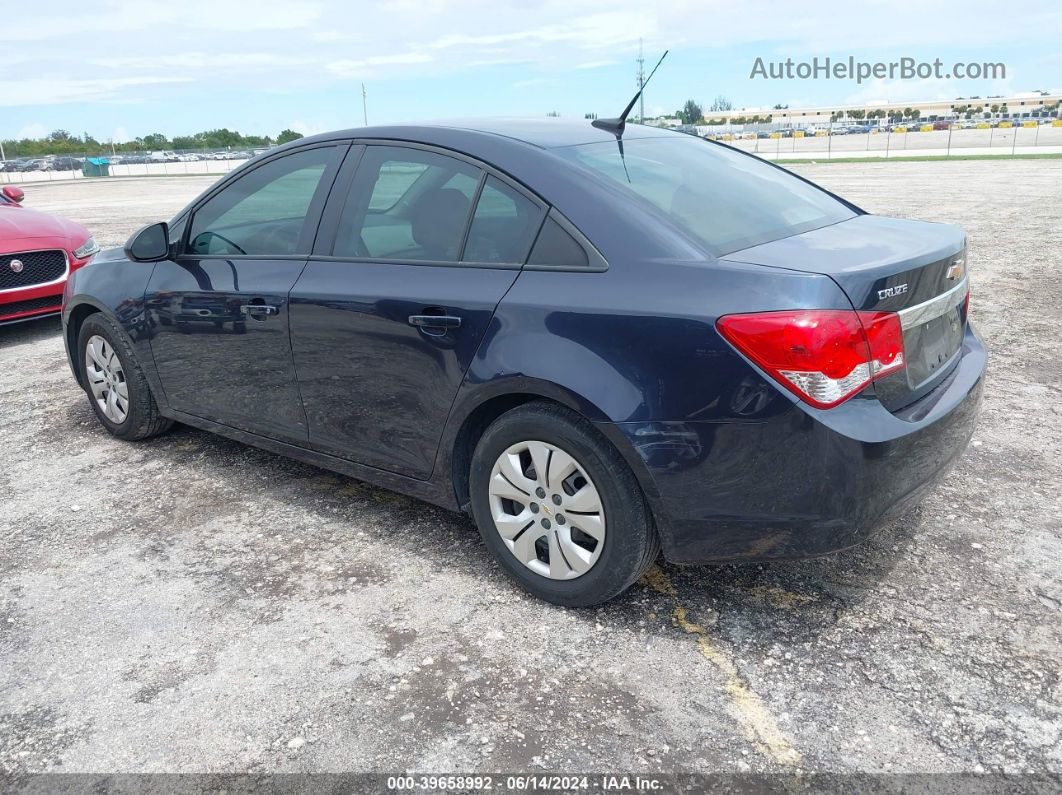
[[559, 508], [117, 390]]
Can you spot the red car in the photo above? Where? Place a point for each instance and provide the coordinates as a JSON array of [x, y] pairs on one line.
[[38, 252]]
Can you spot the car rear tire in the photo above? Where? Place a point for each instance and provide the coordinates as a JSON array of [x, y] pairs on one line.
[[559, 508], [117, 390]]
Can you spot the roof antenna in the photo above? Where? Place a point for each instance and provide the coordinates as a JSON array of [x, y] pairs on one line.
[[615, 126]]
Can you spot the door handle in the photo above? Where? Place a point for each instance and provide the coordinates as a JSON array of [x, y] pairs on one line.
[[434, 321], [259, 309]]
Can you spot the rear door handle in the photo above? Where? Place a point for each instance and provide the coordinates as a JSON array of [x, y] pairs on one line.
[[434, 321], [259, 309]]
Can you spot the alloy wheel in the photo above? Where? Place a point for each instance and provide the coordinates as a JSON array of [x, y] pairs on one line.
[[107, 379], [547, 510]]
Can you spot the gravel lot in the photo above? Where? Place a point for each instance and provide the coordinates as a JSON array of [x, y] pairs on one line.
[[190, 604]]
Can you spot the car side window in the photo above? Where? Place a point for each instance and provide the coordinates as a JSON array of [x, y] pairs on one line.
[[503, 226], [407, 204], [265, 211], [557, 249]]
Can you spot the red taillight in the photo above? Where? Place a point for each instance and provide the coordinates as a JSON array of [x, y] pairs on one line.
[[824, 356]]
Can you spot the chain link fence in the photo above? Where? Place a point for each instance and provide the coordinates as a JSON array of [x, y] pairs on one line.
[[910, 139], [774, 142], [22, 170]]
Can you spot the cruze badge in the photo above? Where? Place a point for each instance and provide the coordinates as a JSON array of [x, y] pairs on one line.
[[16, 265], [955, 270], [891, 292]]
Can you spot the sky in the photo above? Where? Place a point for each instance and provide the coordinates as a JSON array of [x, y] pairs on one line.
[[126, 68]]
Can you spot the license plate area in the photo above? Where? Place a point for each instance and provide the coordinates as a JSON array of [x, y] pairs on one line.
[[932, 341], [930, 345]]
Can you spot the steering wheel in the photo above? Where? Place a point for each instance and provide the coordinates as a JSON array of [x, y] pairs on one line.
[[222, 238], [280, 240]]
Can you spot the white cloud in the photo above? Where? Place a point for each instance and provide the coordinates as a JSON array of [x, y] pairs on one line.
[[50, 91], [267, 50], [883, 92], [593, 31], [201, 60], [36, 130], [364, 67], [120, 135], [303, 128], [163, 18]]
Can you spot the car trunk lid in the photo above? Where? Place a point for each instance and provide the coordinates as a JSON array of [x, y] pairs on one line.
[[914, 268]]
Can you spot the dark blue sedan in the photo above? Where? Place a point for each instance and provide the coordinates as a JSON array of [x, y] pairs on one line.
[[598, 346]]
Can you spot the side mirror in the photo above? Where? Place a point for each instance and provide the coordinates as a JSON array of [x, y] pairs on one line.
[[14, 193], [150, 244]]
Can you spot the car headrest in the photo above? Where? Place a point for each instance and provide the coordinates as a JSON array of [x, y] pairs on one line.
[[687, 204], [438, 221]]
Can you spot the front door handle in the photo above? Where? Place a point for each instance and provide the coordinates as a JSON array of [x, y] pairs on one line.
[[259, 309], [434, 321]]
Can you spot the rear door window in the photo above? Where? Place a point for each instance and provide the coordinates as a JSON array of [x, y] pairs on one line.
[[407, 204]]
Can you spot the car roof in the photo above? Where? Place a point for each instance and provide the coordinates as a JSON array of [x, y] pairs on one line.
[[546, 133]]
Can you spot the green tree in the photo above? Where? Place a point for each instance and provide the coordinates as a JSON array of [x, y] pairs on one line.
[[721, 103], [690, 113], [155, 141], [288, 135]]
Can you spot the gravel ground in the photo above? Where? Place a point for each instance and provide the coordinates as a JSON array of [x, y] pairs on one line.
[[190, 604]]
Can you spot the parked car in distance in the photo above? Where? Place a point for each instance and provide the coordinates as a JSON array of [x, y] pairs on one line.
[[38, 252], [66, 164], [596, 351]]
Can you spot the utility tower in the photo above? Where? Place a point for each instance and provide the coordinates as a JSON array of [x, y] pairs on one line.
[[640, 60]]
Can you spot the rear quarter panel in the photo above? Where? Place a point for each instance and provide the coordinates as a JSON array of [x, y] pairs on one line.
[[634, 349], [638, 342]]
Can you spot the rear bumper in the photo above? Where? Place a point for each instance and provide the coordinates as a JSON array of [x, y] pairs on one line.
[[791, 481]]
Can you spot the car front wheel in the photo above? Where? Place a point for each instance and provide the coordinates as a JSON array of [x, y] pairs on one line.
[[116, 387], [559, 508]]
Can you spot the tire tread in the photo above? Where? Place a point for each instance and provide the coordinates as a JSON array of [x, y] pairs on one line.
[[147, 420]]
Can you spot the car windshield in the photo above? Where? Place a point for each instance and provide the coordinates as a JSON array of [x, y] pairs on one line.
[[724, 199]]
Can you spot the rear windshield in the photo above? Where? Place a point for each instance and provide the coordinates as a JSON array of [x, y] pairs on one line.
[[724, 199]]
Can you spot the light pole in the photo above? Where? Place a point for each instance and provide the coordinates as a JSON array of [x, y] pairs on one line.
[[364, 106], [641, 84]]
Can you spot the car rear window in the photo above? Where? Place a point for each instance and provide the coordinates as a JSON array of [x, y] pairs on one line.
[[724, 199]]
